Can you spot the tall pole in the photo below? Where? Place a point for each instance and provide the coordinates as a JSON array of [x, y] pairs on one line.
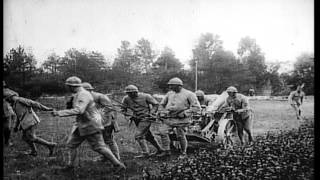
[[196, 81]]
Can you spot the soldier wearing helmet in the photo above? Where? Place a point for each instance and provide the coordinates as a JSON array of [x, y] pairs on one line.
[[141, 105], [178, 104], [88, 124], [239, 103], [203, 99], [27, 120], [9, 117], [296, 99], [109, 122]]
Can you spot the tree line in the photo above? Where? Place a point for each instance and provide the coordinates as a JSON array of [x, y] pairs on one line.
[[139, 64]]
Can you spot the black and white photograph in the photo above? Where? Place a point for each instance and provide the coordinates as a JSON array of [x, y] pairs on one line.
[[158, 89]]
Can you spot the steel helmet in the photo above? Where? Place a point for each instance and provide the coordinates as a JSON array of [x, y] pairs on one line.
[[232, 89], [199, 93], [7, 93], [131, 88], [73, 81], [87, 86], [175, 81]]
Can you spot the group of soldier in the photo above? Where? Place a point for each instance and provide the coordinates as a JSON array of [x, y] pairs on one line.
[[96, 118]]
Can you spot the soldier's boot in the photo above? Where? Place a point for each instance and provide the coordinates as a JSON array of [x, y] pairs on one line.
[[144, 148], [106, 152], [33, 149], [184, 145], [49, 145], [115, 149], [156, 144]]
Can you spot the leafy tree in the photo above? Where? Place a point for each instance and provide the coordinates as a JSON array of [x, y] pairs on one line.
[[18, 66], [52, 63], [167, 62], [207, 45], [126, 61], [145, 54], [251, 55], [303, 72]]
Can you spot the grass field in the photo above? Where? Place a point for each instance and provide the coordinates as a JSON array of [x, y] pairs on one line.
[[269, 116]]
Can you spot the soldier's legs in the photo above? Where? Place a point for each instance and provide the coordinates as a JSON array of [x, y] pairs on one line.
[[248, 127], [164, 134], [150, 137], [73, 142], [140, 136], [181, 135], [296, 109], [28, 137], [97, 144], [108, 136], [6, 130]]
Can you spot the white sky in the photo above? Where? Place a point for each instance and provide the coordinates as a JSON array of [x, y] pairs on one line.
[[282, 28]]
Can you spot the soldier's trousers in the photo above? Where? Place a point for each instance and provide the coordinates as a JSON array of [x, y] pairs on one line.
[[144, 134], [29, 136], [108, 136], [6, 129], [181, 135]]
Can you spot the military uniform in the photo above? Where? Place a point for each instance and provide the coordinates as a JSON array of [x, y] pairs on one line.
[[88, 125], [108, 121], [242, 118], [296, 99], [27, 121], [180, 107], [9, 118], [141, 110]]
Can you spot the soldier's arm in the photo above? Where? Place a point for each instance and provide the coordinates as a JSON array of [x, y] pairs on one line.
[[302, 98], [79, 107], [124, 106], [194, 104], [33, 104], [290, 97], [164, 102], [153, 102]]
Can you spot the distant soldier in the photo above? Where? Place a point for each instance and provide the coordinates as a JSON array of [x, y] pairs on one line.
[[203, 99], [88, 124], [9, 117], [27, 120], [109, 122], [139, 103], [251, 92], [179, 104], [296, 99], [239, 104], [204, 103]]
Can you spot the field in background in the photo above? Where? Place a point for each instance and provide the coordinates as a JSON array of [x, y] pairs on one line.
[[270, 115]]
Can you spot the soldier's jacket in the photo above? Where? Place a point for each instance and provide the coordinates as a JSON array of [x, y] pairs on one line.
[[184, 102], [139, 105], [26, 116], [88, 119], [296, 98], [104, 104], [8, 114], [7, 109], [240, 101]]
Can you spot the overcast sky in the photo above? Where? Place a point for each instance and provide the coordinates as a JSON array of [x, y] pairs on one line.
[[283, 28]]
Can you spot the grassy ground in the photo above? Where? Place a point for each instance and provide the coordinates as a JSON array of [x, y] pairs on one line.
[[269, 116]]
